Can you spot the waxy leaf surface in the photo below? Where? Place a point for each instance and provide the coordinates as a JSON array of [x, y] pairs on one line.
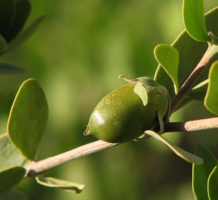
[[211, 101], [193, 14], [168, 58], [200, 173], [28, 118]]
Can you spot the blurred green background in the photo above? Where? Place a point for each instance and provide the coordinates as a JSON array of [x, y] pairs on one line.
[[77, 54]]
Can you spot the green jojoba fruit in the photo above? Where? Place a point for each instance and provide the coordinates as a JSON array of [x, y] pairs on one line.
[[125, 113]]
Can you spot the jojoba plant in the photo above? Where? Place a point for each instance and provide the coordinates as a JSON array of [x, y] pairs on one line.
[[140, 108], [125, 113]]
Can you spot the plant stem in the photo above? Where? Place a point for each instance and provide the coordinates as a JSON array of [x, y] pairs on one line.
[[36, 168], [209, 57], [193, 125]]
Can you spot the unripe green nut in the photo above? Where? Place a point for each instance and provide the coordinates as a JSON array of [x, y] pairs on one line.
[[125, 113]]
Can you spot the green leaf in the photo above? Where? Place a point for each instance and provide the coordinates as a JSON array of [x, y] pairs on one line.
[[140, 90], [60, 184], [13, 195], [200, 173], [193, 14], [26, 33], [168, 58], [9, 69], [28, 118], [10, 177], [188, 48], [9, 155], [3, 44], [210, 101], [177, 150], [213, 184], [23, 8], [7, 12]]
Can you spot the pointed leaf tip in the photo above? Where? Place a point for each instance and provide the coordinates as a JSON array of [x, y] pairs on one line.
[[28, 118]]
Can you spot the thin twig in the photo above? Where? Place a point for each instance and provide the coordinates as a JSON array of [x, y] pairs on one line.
[[193, 125], [36, 168]]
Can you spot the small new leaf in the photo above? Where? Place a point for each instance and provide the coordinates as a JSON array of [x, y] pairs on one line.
[[200, 173], [10, 177], [60, 184], [28, 118], [189, 157], [168, 58], [210, 100], [213, 184], [193, 14], [140, 90]]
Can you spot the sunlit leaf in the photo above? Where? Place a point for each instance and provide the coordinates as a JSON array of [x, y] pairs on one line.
[[168, 58], [60, 184], [9, 69], [210, 101], [26, 33], [13, 195], [9, 155], [177, 150], [213, 184], [188, 48], [23, 8], [200, 173], [28, 118], [193, 14], [10, 177]]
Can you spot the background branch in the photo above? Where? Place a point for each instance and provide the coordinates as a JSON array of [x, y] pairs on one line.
[[36, 168]]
